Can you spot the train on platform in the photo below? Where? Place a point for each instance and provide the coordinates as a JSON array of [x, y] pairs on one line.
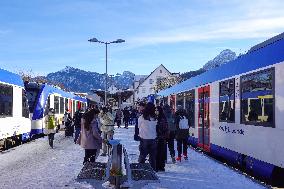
[[236, 111], [23, 107], [42, 97]]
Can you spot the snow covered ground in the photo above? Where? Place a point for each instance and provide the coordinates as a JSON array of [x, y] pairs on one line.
[[36, 165]]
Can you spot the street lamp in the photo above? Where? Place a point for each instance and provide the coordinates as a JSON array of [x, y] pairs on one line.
[[106, 43]]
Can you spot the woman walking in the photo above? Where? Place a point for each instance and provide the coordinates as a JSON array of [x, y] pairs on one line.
[[147, 124], [162, 134], [90, 138], [51, 128]]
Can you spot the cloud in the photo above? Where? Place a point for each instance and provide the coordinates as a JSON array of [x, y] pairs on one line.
[[239, 29]]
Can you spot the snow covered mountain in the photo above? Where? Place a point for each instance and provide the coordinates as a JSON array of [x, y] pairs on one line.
[[79, 80], [224, 57]]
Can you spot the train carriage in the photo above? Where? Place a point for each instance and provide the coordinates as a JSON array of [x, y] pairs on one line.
[[41, 97], [236, 110], [15, 124]]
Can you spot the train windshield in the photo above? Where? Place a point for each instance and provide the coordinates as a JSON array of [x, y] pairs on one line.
[[32, 94]]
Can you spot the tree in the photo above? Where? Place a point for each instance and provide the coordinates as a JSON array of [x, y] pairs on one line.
[[166, 82]]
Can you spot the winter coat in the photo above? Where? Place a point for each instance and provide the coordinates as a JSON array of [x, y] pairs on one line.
[[77, 119], [118, 115], [162, 128], [107, 122], [180, 133], [147, 128], [90, 139], [50, 124]]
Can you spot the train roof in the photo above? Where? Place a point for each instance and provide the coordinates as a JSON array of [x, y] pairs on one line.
[[11, 78], [51, 89], [265, 54]]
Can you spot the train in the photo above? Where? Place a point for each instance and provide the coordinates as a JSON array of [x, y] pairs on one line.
[[24, 105], [15, 124], [236, 110]]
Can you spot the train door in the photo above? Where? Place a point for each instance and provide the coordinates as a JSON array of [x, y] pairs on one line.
[[173, 102], [203, 118]]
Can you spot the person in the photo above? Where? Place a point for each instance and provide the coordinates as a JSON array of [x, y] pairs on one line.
[[141, 107], [77, 123], [107, 127], [68, 122], [182, 132], [162, 135], [90, 138], [118, 116], [172, 130], [51, 127], [147, 123], [126, 117]]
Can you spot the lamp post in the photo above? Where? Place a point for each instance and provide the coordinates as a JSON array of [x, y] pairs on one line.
[[106, 44]]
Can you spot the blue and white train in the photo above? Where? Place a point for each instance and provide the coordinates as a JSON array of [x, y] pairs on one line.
[[15, 125], [42, 97], [236, 111]]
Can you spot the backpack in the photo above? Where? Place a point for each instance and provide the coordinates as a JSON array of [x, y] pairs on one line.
[[51, 122], [183, 123]]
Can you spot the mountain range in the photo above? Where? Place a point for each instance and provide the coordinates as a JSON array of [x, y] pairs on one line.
[[78, 80]]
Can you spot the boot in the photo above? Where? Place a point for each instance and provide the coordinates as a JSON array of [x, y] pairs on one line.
[[179, 158], [173, 159], [185, 156]]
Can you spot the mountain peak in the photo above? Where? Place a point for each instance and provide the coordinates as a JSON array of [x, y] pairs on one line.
[[225, 56]]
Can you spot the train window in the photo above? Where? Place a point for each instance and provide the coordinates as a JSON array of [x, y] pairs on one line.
[[190, 107], [56, 104], [257, 98], [67, 104], [25, 108], [47, 106], [180, 99], [62, 105], [227, 101], [6, 100]]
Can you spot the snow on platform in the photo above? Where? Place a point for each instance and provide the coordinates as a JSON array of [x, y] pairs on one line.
[[36, 165]]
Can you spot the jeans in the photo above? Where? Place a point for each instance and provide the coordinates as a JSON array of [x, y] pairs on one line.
[[182, 143], [50, 139], [77, 133], [148, 146], [161, 154], [171, 143], [90, 155]]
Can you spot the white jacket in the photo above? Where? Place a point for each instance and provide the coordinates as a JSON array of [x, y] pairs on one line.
[[147, 129]]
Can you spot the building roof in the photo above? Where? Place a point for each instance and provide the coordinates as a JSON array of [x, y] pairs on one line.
[[264, 55], [152, 73]]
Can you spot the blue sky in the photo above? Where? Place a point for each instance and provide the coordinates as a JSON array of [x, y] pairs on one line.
[[46, 35]]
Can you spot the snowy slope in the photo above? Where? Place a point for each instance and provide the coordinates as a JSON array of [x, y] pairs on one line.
[[35, 165]]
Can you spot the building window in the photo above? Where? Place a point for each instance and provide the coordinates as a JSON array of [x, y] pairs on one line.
[[6, 100], [56, 104], [161, 71], [67, 104], [25, 107], [62, 105], [257, 98], [151, 81], [227, 101], [190, 107]]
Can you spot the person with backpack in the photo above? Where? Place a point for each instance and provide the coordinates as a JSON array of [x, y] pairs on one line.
[[172, 130], [162, 135], [50, 126], [68, 123], [118, 116], [182, 132], [77, 123]]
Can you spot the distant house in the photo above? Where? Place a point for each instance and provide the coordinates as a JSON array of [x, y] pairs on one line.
[[146, 86]]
